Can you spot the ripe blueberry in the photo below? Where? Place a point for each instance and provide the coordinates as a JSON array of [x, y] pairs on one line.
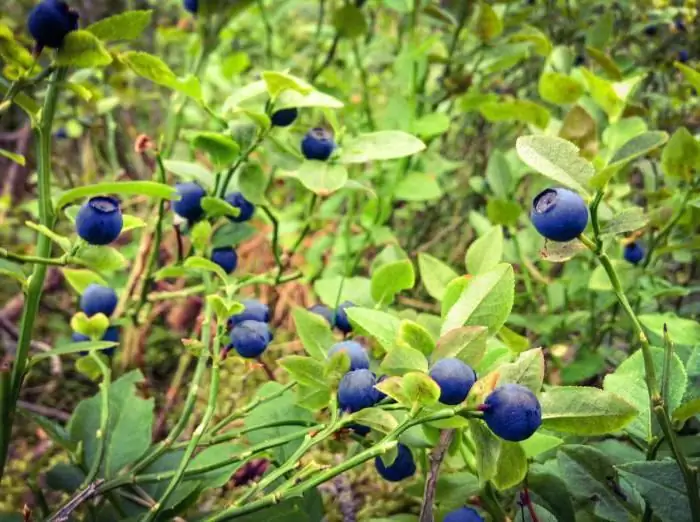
[[254, 311], [61, 134], [284, 117], [358, 356], [559, 214], [356, 391], [455, 379], [512, 412], [650, 30], [236, 199], [98, 299], [111, 335], [226, 258], [679, 25], [403, 467], [191, 5], [683, 55], [189, 206], [250, 338], [341, 317], [634, 253], [99, 221], [324, 312], [318, 144], [464, 514], [50, 21], [579, 60]]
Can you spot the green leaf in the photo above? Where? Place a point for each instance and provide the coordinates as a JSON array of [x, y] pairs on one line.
[[601, 32], [129, 427], [101, 258], [123, 188], [550, 488], [559, 88], [313, 399], [200, 235], [253, 183], [683, 332], [539, 443], [189, 171], [349, 21], [132, 223], [503, 212], [431, 125], [690, 74], [628, 220], [628, 381], [94, 326], [418, 186], [488, 448], [498, 175], [525, 111], [558, 252], [393, 387], [216, 207], [380, 145], [278, 82], [289, 98], [540, 42], [82, 49], [511, 467], [377, 419], [221, 149], [403, 359], [556, 159], [468, 344], [516, 343], [314, 332], [152, 68], [662, 486], [17, 158], [487, 24], [435, 275], [123, 26], [605, 62], [681, 155], [634, 148], [486, 301], [305, 370], [420, 389], [390, 279], [200, 263], [56, 432], [60, 240], [321, 177], [66, 349], [13, 271], [219, 306], [527, 370], [415, 336], [486, 252], [585, 410], [382, 326]]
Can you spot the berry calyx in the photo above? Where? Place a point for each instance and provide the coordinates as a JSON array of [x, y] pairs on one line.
[[559, 214], [50, 21], [317, 144], [236, 199], [356, 391], [226, 258], [455, 379], [512, 412], [250, 338], [464, 514], [324, 312], [254, 311], [403, 467], [99, 221], [341, 317], [98, 299], [284, 117], [357, 354], [189, 206]]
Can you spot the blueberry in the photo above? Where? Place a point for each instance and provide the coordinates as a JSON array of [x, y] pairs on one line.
[[99, 221], [679, 24], [559, 214], [250, 338], [403, 467], [61, 134], [324, 312], [634, 253], [455, 379], [358, 356], [579, 60], [650, 30], [50, 21], [341, 317], [284, 117], [356, 391], [236, 199], [683, 56], [98, 299], [318, 144], [111, 334], [189, 206], [254, 311], [361, 430], [512, 412], [464, 514], [191, 5], [226, 258]]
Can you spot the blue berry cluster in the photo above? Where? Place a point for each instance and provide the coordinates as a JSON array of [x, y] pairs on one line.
[[98, 299], [250, 332], [338, 318]]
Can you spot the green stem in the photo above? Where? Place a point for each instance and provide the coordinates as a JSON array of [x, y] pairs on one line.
[[43, 250], [19, 258], [101, 435], [366, 103]]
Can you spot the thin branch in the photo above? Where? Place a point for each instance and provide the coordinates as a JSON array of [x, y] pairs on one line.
[[63, 514], [436, 458]]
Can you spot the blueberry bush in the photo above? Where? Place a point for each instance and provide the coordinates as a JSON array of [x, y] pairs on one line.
[[339, 260]]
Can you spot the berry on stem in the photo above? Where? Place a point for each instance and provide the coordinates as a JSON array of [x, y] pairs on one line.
[[317, 144], [324, 312], [99, 221], [98, 299], [455, 379], [356, 391], [357, 354], [284, 117], [403, 467], [634, 253], [254, 311], [226, 258], [189, 206], [464, 514], [559, 214], [236, 199], [191, 6], [512, 412], [683, 56], [341, 317], [250, 338], [50, 21]]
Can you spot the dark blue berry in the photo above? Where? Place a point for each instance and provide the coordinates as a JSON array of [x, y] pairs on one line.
[[559, 214], [226, 258], [359, 429], [341, 317], [236, 199], [98, 299], [191, 5], [254, 311], [284, 117], [512, 412], [679, 24], [683, 55], [324, 312], [61, 134], [579, 60], [358, 356], [634, 253], [403, 467], [464, 514], [318, 144], [50, 21], [650, 30], [99, 221], [111, 335], [189, 206], [356, 391], [455, 379], [250, 338]]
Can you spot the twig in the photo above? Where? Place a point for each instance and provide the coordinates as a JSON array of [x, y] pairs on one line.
[[44, 410], [436, 458], [63, 514]]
